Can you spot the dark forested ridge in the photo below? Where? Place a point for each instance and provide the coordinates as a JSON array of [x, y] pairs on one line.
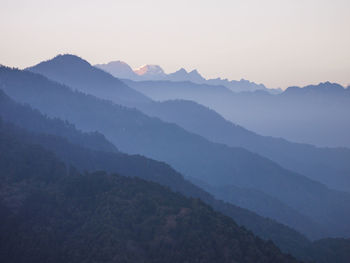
[[51, 215], [72, 153]]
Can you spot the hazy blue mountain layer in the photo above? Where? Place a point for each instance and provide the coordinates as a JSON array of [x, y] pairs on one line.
[[315, 114], [216, 164], [330, 166]]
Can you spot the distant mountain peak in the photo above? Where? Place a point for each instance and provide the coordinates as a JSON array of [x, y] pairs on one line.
[[327, 86], [79, 74], [118, 62], [195, 72], [149, 70], [119, 69], [184, 75], [68, 58], [181, 70], [64, 62]]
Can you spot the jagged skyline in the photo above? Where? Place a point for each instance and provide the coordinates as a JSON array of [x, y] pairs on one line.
[[123, 70]]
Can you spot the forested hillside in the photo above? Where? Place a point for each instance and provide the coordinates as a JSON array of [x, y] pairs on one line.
[[50, 214], [85, 159]]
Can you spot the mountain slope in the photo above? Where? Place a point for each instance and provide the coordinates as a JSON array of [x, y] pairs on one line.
[[60, 216], [134, 132], [34, 121], [335, 250], [327, 250], [87, 159]]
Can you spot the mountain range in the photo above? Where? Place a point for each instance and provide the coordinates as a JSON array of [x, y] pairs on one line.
[[329, 166], [192, 155], [95, 122], [132, 132], [122, 70]]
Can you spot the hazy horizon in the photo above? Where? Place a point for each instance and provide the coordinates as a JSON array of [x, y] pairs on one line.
[[277, 43]]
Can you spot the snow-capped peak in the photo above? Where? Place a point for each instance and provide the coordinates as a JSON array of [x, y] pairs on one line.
[[153, 70]]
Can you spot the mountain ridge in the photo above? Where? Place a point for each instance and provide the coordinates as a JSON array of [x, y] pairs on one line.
[[148, 73]]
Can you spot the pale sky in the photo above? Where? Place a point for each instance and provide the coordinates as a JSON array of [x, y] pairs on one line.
[[276, 42]]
